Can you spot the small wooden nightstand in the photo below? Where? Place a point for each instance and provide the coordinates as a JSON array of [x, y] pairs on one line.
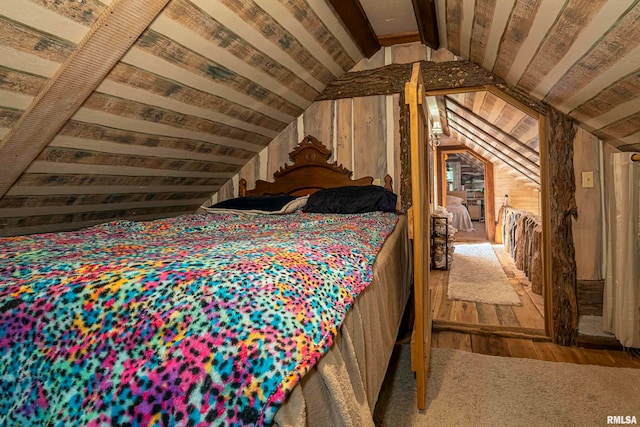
[[475, 212], [474, 206]]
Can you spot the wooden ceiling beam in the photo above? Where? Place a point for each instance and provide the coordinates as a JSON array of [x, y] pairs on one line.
[[492, 126], [471, 161], [425, 11], [391, 39], [110, 37], [514, 164], [356, 21], [442, 109], [471, 127]]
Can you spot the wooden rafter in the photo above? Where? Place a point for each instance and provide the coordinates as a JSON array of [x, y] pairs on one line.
[[442, 107], [111, 36], [492, 126], [356, 21], [426, 17], [487, 137], [497, 153]]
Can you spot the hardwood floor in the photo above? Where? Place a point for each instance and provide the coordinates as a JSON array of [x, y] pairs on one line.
[[529, 316], [494, 345]]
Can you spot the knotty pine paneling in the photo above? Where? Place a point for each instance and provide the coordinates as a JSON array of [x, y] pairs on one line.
[[520, 196]]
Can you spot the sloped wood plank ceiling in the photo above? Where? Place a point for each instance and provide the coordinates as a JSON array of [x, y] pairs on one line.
[[580, 56], [496, 130], [205, 88], [210, 82]]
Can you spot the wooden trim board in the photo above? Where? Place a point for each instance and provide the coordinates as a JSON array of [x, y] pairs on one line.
[[420, 184]]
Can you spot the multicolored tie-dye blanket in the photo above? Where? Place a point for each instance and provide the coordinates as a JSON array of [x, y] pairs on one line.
[[195, 320]]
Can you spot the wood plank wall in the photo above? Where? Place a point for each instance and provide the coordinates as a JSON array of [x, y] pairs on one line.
[[521, 196], [357, 130], [587, 228]]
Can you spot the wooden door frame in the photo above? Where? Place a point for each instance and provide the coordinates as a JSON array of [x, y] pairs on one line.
[[545, 196], [489, 194], [420, 231]]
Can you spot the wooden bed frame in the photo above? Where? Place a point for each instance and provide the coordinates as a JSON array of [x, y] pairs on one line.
[[310, 172]]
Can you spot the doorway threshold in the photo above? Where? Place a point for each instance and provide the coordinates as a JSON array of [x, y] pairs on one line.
[[497, 330]]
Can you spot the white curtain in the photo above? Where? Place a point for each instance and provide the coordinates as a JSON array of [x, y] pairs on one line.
[[621, 311]]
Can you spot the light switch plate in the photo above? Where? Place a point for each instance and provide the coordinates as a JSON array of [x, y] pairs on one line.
[[587, 179]]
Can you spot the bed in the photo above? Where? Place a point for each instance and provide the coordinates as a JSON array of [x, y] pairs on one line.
[[457, 207], [285, 318]]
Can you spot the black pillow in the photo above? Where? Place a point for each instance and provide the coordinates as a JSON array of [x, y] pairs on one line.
[[259, 203], [352, 199]]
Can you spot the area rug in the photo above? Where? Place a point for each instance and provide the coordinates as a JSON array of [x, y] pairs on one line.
[[466, 389], [476, 275]]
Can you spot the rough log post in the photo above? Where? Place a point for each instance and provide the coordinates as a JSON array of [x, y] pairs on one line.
[[560, 134], [405, 152]]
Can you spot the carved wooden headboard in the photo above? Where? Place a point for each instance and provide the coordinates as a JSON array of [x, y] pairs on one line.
[[309, 173]]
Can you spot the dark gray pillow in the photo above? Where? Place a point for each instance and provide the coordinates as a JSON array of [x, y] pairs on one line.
[[352, 199]]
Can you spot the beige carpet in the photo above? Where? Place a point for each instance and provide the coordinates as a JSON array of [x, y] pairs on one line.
[[467, 389], [476, 275]]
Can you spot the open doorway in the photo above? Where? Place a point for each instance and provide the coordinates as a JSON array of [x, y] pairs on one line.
[[466, 179], [487, 149], [464, 176]]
